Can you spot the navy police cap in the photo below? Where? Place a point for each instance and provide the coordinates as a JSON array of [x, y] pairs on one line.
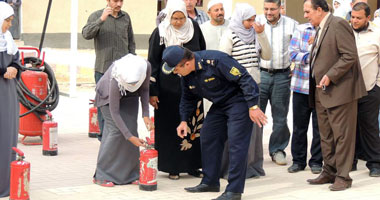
[[172, 56]]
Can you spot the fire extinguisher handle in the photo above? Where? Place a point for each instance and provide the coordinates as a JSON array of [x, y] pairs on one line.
[[18, 151], [92, 101], [49, 114]]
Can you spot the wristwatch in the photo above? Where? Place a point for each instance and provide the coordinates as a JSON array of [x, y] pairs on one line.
[[254, 107]]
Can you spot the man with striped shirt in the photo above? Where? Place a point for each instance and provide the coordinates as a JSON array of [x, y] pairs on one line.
[[275, 76], [299, 50], [198, 15]]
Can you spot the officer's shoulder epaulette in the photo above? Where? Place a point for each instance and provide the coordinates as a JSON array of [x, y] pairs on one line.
[[210, 62]]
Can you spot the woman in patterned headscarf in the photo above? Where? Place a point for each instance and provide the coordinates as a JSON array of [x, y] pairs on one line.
[[175, 155], [9, 105]]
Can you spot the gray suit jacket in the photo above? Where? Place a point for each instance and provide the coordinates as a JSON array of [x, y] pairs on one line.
[[337, 58]]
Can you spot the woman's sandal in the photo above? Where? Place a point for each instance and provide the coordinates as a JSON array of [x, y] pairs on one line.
[[136, 182], [103, 183], [174, 176]]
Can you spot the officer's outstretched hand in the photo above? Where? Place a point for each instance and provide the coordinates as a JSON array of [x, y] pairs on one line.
[[258, 117], [153, 100], [182, 129]]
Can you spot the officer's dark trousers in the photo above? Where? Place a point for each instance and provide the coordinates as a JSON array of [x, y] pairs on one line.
[[229, 120], [301, 117], [368, 127]]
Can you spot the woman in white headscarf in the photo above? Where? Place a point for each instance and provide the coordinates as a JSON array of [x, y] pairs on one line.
[[117, 95], [246, 41], [376, 17], [341, 8], [175, 155], [9, 105]]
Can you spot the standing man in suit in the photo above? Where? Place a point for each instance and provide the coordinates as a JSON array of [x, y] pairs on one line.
[[336, 84]]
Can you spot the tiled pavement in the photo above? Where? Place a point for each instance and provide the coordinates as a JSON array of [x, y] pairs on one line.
[[68, 176]]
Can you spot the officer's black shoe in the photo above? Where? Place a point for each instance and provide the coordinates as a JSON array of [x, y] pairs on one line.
[[229, 196], [295, 168], [203, 188], [374, 172]]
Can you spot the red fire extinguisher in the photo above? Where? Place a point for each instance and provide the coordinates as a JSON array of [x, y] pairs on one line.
[[148, 167], [36, 82], [49, 136], [93, 124], [20, 177]]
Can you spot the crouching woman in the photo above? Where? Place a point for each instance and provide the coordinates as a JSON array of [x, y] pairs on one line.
[[117, 95]]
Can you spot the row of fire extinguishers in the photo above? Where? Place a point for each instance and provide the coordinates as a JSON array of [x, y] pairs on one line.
[[20, 169], [148, 155], [38, 94]]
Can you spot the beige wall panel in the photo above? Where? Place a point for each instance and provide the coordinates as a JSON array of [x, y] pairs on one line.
[[34, 12], [257, 4], [142, 13]]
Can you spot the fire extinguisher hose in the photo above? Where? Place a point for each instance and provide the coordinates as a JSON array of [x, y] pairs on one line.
[[50, 102]]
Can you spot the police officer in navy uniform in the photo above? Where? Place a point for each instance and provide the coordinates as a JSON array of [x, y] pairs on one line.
[[222, 80]]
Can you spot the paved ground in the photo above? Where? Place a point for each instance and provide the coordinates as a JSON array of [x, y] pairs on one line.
[[68, 176]]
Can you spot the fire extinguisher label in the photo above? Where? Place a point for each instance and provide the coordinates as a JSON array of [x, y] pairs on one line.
[[152, 164], [53, 135], [94, 119]]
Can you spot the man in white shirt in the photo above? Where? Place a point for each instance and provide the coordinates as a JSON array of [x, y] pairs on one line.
[[368, 44], [275, 76], [213, 29]]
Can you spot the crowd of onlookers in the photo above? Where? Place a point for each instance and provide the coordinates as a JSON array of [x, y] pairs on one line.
[[333, 76], [330, 65]]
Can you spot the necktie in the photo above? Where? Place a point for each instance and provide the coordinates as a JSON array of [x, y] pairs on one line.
[[314, 50]]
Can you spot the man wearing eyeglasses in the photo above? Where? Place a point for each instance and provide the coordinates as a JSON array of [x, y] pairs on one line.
[[275, 76]]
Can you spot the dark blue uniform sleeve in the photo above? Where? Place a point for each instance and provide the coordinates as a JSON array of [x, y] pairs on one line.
[[234, 72], [188, 101]]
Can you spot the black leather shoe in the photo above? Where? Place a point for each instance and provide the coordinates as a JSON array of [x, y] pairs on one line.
[[374, 172], [229, 196], [316, 169], [295, 168], [203, 188]]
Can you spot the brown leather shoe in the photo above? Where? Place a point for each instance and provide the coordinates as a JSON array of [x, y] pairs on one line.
[[340, 184], [323, 178]]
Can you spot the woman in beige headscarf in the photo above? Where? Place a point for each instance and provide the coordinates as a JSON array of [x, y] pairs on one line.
[[9, 105], [175, 155]]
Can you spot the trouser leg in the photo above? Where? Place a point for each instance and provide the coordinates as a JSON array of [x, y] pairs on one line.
[[315, 149], [279, 101], [301, 116], [368, 111], [213, 137], [327, 138], [343, 120], [239, 133]]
